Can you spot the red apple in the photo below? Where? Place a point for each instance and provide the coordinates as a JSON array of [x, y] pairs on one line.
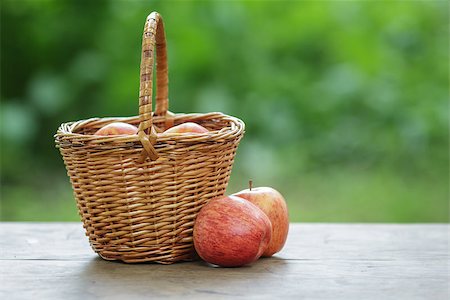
[[117, 128], [187, 127], [274, 206], [231, 232]]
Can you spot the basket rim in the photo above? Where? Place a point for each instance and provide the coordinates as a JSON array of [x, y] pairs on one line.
[[235, 127]]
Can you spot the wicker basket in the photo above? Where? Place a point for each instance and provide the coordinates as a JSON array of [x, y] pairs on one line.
[[139, 195]]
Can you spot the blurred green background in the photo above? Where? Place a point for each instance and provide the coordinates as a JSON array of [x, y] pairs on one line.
[[346, 102]]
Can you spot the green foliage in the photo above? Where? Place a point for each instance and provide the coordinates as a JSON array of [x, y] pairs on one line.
[[345, 103]]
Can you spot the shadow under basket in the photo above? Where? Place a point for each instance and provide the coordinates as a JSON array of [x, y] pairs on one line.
[[138, 195]]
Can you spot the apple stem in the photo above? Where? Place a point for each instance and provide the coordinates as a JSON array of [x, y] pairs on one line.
[[250, 184]]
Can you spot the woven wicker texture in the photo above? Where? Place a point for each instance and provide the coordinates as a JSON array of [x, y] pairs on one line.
[[138, 195]]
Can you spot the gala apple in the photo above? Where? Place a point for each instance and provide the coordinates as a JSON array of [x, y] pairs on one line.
[[272, 203], [117, 128], [188, 127], [231, 232]]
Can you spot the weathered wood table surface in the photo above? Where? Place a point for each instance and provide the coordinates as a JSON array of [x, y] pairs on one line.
[[319, 261]]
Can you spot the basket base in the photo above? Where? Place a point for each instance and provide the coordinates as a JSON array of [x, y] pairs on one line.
[[151, 260], [150, 257]]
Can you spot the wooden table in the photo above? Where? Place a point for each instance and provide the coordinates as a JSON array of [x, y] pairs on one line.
[[319, 261]]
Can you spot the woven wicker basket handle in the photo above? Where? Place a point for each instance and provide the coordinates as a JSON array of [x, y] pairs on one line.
[[153, 36]]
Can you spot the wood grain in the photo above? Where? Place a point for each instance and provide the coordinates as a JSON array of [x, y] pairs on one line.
[[319, 261]]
